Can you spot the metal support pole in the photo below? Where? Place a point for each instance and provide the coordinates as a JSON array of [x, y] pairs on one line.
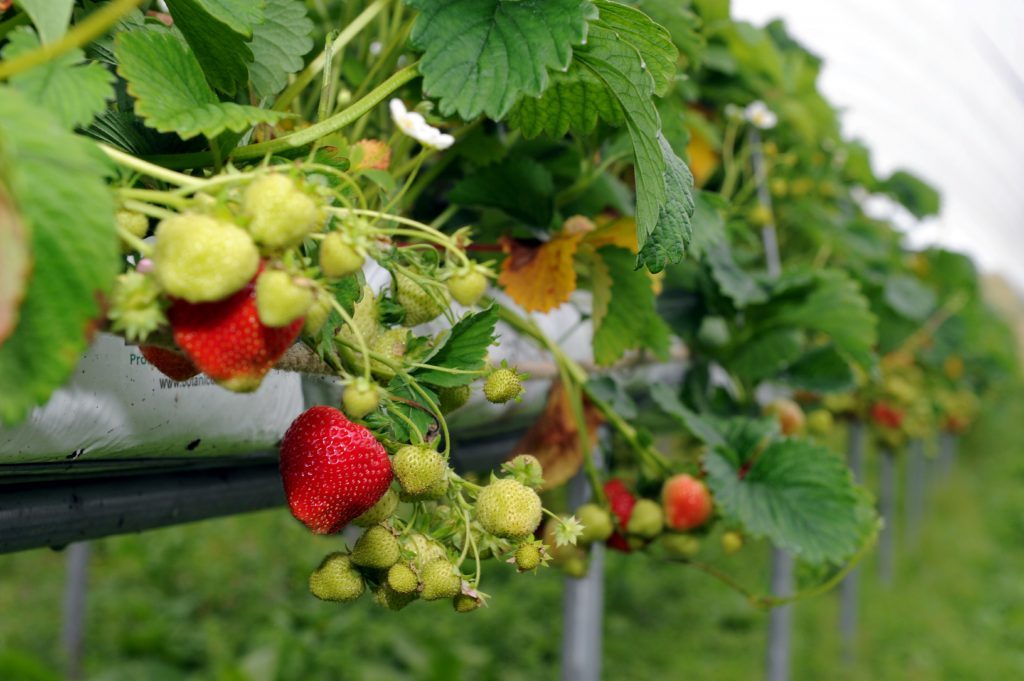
[[583, 607], [887, 509], [914, 509], [75, 588], [947, 453], [849, 589], [781, 619], [780, 623]]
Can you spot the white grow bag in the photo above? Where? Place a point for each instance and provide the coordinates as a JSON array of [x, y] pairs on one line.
[[118, 406]]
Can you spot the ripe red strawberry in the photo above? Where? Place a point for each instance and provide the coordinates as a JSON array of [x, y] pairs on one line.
[[333, 470], [172, 364], [621, 502], [226, 340], [886, 415], [687, 502]]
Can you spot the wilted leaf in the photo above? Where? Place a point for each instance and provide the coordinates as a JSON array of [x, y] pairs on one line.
[[554, 438], [543, 277]]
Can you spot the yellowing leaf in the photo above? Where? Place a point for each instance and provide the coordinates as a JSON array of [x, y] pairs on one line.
[[619, 232], [15, 264], [702, 157], [554, 437], [543, 277]]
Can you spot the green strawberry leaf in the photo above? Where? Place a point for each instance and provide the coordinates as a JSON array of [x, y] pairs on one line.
[[55, 180], [575, 100], [674, 230], [278, 45], [170, 91], [766, 354], [219, 31], [74, 90], [821, 370], [50, 17], [650, 39], [480, 56], [798, 494], [420, 417], [624, 312], [465, 350], [519, 186], [836, 307], [732, 280], [913, 193], [683, 25], [909, 297], [701, 428]]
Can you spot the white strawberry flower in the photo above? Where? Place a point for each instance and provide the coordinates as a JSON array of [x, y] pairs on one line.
[[416, 127], [760, 115]]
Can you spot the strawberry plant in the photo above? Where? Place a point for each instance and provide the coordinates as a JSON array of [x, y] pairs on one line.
[[379, 191]]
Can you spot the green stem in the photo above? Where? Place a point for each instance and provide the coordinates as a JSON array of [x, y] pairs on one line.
[[135, 242], [149, 169], [153, 196], [360, 339], [305, 136], [317, 65], [148, 209], [95, 25]]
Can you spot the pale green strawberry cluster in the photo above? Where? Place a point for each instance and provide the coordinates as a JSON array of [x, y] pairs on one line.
[[424, 533]]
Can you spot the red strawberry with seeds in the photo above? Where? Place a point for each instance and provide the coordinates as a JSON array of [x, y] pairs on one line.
[[171, 363], [621, 502], [687, 502], [333, 470], [226, 340]]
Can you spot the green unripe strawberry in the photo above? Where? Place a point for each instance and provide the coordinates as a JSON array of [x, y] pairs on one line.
[[317, 314], [440, 580], [575, 566], [420, 305], [648, 519], [466, 603], [364, 319], [424, 549], [387, 597], [338, 258], [432, 493], [391, 344], [379, 512], [280, 300], [418, 468], [760, 215], [683, 546], [132, 222], [377, 548], [336, 579], [402, 579], [202, 259], [732, 542], [508, 508], [503, 385], [360, 398], [453, 398], [467, 286], [135, 307], [713, 332], [597, 523], [280, 215], [528, 557], [820, 422]]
